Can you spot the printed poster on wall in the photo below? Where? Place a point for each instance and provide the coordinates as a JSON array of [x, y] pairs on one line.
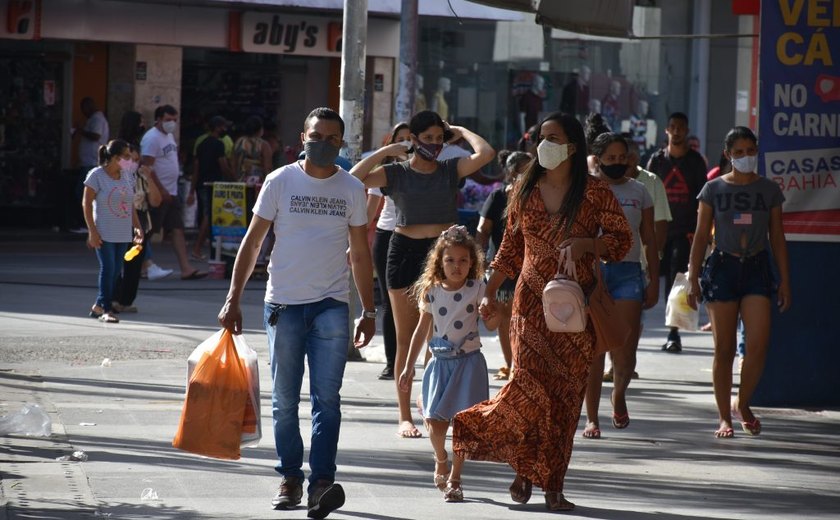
[[228, 215], [799, 113]]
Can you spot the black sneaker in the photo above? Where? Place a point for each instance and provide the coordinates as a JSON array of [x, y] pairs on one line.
[[387, 373], [324, 498], [673, 346], [290, 493]]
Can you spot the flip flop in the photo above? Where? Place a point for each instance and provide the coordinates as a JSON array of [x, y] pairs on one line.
[[198, 257], [409, 433], [724, 433], [594, 433], [752, 427], [195, 275], [620, 421], [107, 317]]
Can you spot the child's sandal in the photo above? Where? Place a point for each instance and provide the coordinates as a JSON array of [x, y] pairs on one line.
[[440, 478], [452, 493]]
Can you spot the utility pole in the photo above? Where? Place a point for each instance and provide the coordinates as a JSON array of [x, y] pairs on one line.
[[353, 52], [351, 107], [407, 86]]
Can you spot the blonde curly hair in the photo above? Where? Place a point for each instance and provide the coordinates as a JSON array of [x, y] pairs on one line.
[[433, 270]]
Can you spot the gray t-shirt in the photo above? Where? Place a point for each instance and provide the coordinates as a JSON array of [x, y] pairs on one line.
[[633, 197], [742, 213], [113, 205], [423, 198]]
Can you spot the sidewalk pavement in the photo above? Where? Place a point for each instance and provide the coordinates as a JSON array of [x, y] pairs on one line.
[[666, 465]]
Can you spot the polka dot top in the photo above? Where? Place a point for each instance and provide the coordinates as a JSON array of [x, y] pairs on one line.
[[455, 313]]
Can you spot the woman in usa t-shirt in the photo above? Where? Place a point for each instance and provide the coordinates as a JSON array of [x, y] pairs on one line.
[[736, 279]]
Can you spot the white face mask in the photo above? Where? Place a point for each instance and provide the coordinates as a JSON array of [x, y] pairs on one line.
[[169, 126], [550, 155], [745, 164]]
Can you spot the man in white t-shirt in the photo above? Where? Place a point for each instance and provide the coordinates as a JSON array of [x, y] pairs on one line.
[[315, 208], [92, 135], [159, 151], [661, 209]]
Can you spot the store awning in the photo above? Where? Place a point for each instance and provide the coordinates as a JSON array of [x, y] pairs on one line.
[[598, 17], [459, 8]]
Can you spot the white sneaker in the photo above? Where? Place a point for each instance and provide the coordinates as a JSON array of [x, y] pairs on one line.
[[155, 272]]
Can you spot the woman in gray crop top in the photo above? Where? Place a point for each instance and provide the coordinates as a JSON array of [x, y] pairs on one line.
[[736, 279], [424, 193]]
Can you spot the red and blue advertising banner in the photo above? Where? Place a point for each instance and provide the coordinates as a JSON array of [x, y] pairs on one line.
[[799, 113]]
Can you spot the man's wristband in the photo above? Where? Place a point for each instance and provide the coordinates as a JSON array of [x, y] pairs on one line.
[[369, 314]]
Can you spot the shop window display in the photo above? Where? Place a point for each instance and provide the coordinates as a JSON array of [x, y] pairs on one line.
[[214, 85], [30, 136]]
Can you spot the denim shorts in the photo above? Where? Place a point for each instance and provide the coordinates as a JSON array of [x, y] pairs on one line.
[[624, 280], [727, 278]]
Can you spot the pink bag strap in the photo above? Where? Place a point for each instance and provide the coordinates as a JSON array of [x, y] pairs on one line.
[[565, 264]]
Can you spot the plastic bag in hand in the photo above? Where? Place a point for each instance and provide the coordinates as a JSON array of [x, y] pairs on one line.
[[677, 311], [221, 411]]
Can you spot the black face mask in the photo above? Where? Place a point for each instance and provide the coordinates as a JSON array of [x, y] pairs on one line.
[[614, 171], [321, 153]]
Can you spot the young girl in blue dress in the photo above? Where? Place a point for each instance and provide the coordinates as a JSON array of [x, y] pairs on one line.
[[449, 291]]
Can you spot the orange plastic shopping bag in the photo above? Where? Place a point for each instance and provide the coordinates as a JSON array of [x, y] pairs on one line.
[[218, 395]]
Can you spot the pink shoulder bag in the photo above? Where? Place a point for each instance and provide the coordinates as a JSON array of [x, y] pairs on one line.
[[564, 304]]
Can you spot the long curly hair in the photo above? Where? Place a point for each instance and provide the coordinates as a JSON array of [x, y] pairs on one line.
[[433, 270]]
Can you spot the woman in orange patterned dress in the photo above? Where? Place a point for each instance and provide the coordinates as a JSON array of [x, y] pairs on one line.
[[531, 422]]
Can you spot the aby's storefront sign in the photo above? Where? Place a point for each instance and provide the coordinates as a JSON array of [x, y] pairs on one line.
[[280, 33], [799, 112]]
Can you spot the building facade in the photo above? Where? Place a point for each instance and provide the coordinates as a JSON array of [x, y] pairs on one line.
[[491, 70]]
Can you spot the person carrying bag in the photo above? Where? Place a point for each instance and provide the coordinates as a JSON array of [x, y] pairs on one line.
[[221, 410]]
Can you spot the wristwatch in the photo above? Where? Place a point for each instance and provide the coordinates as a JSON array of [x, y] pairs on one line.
[[369, 314]]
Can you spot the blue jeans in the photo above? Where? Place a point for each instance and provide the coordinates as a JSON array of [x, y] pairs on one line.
[[320, 331], [110, 256]]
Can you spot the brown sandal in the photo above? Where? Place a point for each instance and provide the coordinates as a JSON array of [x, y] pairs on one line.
[[440, 478], [453, 493], [520, 490], [555, 501]]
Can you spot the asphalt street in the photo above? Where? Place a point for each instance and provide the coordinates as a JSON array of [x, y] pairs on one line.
[[115, 391]]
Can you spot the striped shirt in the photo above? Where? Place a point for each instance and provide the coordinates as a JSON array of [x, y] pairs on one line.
[[113, 205]]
